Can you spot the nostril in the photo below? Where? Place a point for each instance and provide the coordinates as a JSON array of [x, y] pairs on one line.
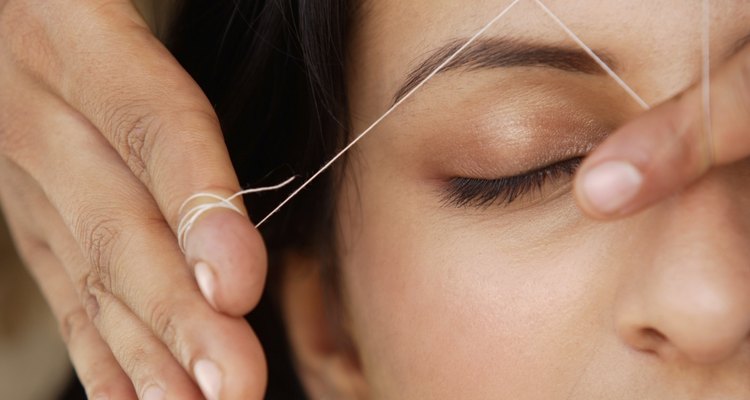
[[650, 340], [653, 336]]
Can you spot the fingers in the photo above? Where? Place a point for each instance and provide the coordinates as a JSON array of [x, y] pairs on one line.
[[95, 365], [159, 122], [97, 369], [132, 255], [145, 361], [669, 147], [153, 371]]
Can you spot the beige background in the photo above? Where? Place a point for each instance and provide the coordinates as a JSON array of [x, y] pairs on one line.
[[33, 361]]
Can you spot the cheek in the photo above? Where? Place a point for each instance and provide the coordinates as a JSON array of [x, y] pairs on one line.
[[441, 307]]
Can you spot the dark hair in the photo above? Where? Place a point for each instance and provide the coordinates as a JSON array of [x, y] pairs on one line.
[[274, 71]]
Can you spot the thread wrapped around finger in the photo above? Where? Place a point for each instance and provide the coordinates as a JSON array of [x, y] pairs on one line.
[[190, 217]]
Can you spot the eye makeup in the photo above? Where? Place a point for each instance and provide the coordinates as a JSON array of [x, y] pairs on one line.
[[514, 144], [479, 193]]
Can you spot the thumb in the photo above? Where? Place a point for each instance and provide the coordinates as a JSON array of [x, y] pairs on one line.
[[670, 146]]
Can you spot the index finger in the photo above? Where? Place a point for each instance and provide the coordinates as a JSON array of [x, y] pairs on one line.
[[670, 147], [111, 68]]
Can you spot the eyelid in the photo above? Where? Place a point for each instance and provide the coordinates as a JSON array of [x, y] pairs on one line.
[[478, 192]]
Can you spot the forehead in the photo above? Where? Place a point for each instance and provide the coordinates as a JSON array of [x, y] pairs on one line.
[[657, 42]]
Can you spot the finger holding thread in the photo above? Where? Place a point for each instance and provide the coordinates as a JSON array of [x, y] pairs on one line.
[[160, 124], [249, 280], [133, 256], [671, 146], [227, 254]]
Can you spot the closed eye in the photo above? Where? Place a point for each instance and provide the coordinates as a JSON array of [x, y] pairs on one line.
[[475, 192]]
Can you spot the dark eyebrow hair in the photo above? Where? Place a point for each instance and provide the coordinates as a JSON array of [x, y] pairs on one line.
[[488, 53]]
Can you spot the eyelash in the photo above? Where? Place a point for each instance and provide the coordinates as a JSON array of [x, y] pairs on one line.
[[465, 192]]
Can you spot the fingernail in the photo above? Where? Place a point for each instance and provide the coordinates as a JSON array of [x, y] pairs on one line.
[[208, 376], [612, 185], [153, 392], [101, 397], [206, 281]]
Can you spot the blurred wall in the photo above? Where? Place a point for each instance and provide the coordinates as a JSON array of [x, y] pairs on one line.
[[33, 360]]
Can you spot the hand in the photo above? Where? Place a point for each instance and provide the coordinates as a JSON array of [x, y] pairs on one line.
[[102, 137], [670, 147]]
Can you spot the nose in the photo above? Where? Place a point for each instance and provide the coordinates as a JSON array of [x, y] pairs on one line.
[[688, 291]]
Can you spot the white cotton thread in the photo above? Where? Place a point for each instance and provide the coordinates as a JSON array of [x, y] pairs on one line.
[[390, 111], [429, 77], [190, 217], [593, 55]]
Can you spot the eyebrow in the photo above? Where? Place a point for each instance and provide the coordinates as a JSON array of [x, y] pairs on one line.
[[490, 53]]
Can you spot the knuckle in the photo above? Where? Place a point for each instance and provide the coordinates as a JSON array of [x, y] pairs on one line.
[[132, 134], [164, 323], [135, 358], [141, 131], [98, 236], [73, 324], [91, 289]]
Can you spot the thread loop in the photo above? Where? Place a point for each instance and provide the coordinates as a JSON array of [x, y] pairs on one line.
[[189, 219]]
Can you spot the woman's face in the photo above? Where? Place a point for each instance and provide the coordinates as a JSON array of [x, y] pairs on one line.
[[453, 291]]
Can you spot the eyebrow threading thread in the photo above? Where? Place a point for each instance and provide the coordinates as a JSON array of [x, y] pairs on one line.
[[188, 220], [593, 55], [389, 111], [439, 68]]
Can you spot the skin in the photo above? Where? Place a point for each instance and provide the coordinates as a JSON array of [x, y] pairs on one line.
[[535, 300], [60, 63], [92, 188]]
